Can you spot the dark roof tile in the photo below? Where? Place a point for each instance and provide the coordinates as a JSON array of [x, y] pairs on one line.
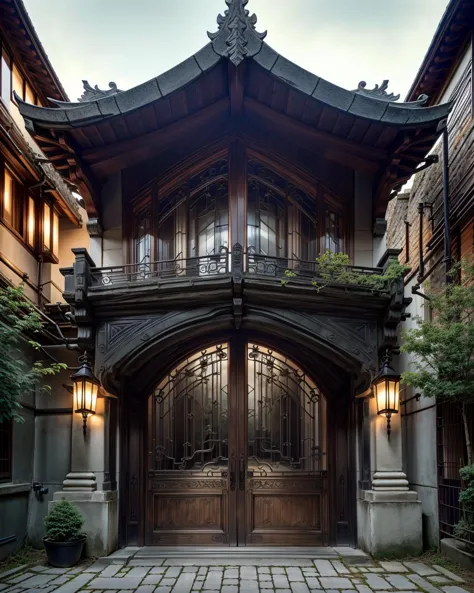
[[179, 76], [396, 114], [331, 94], [429, 115], [108, 106], [41, 114], [206, 57], [138, 96], [368, 107], [86, 113], [266, 57], [294, 75]]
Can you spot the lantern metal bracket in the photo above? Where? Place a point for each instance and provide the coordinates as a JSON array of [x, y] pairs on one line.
[[84, 423]]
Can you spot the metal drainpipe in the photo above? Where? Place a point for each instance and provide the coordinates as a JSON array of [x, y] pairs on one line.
[[421, 265], [447, 228]]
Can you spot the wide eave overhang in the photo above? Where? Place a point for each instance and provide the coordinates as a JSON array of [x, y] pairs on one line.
[[237, 82]]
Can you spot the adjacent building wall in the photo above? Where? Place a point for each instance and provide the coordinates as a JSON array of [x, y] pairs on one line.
[[419, 417]]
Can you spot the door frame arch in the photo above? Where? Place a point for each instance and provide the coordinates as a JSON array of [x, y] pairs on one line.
[[341, 475]]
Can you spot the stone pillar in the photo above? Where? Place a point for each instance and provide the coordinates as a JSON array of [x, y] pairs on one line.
[[389, 515], [88, 483]]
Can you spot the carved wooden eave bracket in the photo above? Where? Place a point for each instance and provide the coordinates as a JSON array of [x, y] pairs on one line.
[[237, 37]]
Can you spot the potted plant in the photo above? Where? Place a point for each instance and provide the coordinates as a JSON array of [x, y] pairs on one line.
[[64, 541]]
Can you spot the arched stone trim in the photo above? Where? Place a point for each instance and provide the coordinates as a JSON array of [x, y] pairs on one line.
[[140, 346]]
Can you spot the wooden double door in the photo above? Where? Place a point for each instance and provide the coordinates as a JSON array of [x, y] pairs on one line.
[[236, 451]]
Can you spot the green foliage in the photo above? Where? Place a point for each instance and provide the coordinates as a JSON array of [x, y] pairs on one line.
[[335, 268], [464, 529], [64, 522], [467, 494], [444, 345], [19, 321]]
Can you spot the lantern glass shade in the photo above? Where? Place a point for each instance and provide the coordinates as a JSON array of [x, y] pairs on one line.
[[85, 396], [387, 394], [85, 390]]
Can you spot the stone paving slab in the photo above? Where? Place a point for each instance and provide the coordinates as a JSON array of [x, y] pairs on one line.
[[234, 575]]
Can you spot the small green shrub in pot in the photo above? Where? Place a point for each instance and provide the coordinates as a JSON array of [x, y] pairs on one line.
[[64, 541]]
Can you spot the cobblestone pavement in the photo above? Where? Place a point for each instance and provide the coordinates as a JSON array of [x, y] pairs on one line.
[[260, 576]]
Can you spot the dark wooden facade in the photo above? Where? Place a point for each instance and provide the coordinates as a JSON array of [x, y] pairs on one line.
[[235, 167]]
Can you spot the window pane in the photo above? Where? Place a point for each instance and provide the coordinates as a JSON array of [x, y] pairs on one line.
[[8, 198], [6, 79], [29, 94], [332, 237], [31, 222], [18, 206], [47, 226], [17, 82], [55, 233]]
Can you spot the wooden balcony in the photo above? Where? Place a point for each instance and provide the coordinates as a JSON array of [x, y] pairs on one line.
[[232, 278]]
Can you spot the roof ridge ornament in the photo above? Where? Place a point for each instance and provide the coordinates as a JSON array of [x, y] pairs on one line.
[[93, 93], [378, 92], [237, 37]]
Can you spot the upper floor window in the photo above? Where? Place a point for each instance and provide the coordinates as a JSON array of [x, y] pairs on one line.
[[33, 220], [191, 222], [6, 77], [13, 202], [13, 79]]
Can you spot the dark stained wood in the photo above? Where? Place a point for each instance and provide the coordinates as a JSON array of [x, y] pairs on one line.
[[237, 506], [287, 509], [334, 148], [105, 161], [238, 193], [237, 89]]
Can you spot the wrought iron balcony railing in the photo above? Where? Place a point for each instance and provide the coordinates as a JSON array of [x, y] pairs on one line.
[[223, 263]]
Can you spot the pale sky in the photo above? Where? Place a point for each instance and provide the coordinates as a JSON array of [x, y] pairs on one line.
[[129, 42]]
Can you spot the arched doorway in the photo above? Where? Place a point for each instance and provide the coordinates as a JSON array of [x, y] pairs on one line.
[[237, 451]]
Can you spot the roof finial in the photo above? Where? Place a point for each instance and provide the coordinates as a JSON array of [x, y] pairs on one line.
[[237, 37], [378, 92], [93, 93]]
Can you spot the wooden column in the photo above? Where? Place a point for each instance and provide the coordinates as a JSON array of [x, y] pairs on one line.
[[238, 194]]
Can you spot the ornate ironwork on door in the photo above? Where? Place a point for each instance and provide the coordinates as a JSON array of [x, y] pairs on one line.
[[190, 414], [286, 424]]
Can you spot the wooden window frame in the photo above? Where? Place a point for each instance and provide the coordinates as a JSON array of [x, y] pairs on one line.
[[178, 175], [37, 247], [47, 252], [6, 440], [19, 189], [17, 63], [5, 50]]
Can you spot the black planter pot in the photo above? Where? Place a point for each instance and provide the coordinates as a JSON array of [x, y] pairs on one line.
[[64, 554]]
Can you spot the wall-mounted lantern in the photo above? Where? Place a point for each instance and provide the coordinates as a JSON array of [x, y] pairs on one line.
[[85, 389], [386, 386]]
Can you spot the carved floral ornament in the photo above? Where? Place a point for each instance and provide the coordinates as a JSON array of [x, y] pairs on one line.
[[93, 93], [380, 92]]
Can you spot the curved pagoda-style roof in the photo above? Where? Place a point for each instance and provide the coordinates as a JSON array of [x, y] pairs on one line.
[[235, 74]]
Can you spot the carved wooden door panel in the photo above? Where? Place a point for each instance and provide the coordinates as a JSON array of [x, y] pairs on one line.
[[286, 477], [236, 437], [188, 478]]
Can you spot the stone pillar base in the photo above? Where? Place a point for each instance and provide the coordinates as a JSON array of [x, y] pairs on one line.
[[100, 511], [389, 523]]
